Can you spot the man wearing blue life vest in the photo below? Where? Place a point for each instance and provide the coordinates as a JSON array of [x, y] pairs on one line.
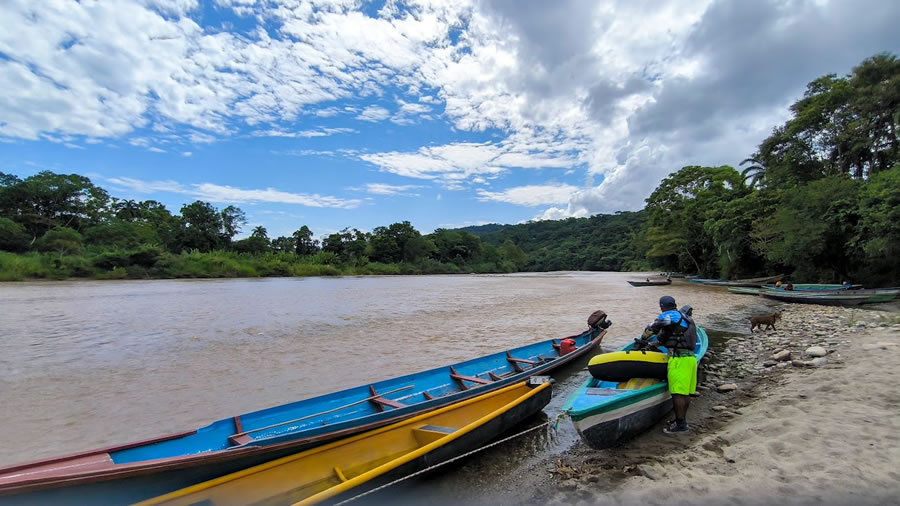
[[676, 331]]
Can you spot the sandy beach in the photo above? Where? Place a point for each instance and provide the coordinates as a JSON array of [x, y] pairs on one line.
[[796, 428]]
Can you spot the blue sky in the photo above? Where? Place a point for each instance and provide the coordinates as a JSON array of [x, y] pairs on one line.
[[343, 113]]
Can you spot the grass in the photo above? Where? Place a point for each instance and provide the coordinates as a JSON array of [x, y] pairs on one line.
[[153, 263]]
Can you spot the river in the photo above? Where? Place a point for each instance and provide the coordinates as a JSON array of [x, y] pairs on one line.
[[88, 364]]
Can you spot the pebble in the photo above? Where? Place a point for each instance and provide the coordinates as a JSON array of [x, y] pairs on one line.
[[727, 387], [719, 408], [816, 351], [782, 355], [819, 361]]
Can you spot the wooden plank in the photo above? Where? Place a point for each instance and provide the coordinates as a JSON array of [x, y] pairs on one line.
[[430, 433], [521, 360], [241, 439], [381, 402], [389, 403], [471, 379]]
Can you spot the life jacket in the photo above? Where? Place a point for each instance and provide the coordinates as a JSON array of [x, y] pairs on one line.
[[680, 334]]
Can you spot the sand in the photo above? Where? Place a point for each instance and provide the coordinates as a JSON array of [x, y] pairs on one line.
[[791, 433]]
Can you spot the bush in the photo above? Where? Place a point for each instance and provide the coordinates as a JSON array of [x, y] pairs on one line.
[[19, 267]]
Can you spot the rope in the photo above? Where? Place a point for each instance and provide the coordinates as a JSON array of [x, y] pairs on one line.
[[398, 480]]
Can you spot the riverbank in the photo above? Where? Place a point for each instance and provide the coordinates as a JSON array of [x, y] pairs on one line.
[[154, 263], [773, 422]]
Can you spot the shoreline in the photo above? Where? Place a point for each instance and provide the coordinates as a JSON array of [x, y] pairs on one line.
[[792, 430]]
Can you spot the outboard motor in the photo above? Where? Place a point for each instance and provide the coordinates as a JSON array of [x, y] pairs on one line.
[[597, 320]]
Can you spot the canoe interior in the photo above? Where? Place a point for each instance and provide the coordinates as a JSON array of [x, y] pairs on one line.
[[325, 471], [426, 386]]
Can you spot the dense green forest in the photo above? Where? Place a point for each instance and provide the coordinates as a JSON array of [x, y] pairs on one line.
[[819, 200], [62, 225], [604, 242]]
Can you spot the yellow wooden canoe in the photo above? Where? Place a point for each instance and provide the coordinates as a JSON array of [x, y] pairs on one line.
[[365, 460]]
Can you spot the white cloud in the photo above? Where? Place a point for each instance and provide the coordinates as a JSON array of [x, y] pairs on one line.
[[304, 152], [72, 146], [327, 112], [387, 189], [187, 154], [374, 113], [201, 138], [229, 194], [156, 150], [532, 195], [456, 163], [319, 132]]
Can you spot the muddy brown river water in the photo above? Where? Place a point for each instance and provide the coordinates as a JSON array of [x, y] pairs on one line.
[[89, 364]]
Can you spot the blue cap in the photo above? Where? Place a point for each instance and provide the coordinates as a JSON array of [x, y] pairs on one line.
[[667, 301]]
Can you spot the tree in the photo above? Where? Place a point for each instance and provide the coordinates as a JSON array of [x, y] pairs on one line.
[[202, 227], [815, 225], [232, 220], [755, 171], [257, 243], [62, 240], [284, 244], [306, 245], [334, 243], [678, 211], [47, 200], [13, 236], [878, 233], [513, 253], [841, 125]]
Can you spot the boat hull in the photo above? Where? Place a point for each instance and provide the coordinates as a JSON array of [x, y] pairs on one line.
[[605, 429], [741, 290], [829, 299], [103, 481], [649, 283], [348, 467]]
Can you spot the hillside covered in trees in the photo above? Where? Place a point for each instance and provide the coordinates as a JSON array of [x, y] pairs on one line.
[[818, 200]]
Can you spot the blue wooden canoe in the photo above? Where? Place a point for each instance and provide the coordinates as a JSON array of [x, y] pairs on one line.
[[134, 471], [606, 412]]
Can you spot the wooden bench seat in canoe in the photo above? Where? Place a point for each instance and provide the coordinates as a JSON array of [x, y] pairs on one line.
[[461, 378]]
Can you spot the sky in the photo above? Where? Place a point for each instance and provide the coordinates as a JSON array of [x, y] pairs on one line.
[[445, 113]]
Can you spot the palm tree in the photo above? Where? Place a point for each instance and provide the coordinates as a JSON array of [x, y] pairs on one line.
[[755, 172]]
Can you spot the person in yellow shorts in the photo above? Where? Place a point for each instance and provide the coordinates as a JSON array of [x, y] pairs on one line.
[[676, 331]]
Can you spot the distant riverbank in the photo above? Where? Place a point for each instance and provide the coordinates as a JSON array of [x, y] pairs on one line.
[[157, 264]]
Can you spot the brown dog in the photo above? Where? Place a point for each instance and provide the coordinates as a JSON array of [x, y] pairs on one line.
[[768, 320]]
